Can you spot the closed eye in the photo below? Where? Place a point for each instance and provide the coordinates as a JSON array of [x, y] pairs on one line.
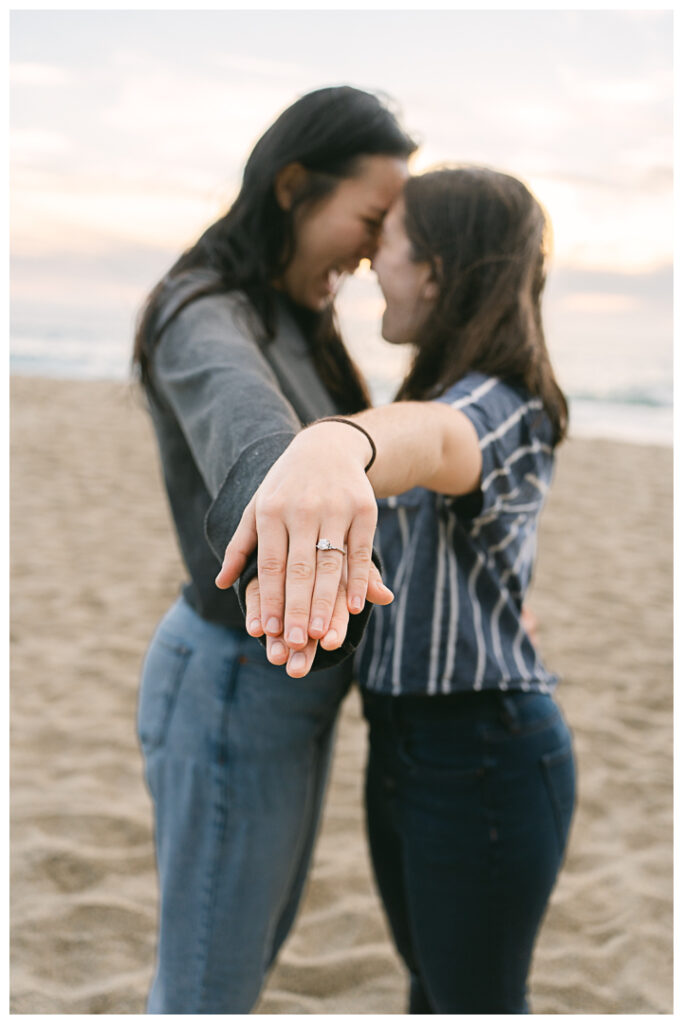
[[373, 224]]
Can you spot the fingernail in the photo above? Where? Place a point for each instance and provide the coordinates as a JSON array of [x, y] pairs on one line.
[[296, 636], [356, 604], [255, 626], [273, 625], [277, 649], [317, 625], [297, 662]]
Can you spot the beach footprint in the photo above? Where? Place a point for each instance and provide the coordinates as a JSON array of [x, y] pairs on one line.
[[69, 871]]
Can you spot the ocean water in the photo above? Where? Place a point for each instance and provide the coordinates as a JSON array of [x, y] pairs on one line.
[[616, 369]]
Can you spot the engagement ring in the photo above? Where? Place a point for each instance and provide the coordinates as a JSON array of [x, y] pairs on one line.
[[326, 545]]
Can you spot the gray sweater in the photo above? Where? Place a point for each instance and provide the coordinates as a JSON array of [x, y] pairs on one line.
[[225, 404]]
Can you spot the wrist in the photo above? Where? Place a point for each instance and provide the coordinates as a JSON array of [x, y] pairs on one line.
[[331, 440], [369, 447]]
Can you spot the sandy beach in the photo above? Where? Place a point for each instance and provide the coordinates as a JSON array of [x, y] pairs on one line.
[[94, 566]]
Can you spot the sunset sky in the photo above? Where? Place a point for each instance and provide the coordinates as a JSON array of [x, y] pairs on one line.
[[129, 130]]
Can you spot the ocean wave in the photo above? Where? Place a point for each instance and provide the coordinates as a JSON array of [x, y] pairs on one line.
[[658, 396]]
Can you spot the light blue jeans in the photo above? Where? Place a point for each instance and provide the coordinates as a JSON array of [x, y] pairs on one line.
[[236, 760]]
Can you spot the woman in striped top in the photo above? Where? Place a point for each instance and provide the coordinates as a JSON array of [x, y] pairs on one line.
[[470, 779]]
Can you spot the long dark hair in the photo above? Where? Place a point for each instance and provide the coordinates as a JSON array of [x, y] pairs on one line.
[[486, 238], [328, 131]]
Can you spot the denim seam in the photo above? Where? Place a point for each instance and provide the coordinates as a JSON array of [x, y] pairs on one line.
[[561, 820], [181, 654], [220, 812], [233, 664]]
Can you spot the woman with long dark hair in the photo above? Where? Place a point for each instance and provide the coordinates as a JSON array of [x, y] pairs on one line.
[[237, 348], [470, 779]]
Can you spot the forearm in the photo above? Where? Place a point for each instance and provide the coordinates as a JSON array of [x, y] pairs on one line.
[[419, 444], [410, 438]]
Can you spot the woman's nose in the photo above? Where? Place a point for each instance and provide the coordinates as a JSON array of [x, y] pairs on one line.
[[371, 242]]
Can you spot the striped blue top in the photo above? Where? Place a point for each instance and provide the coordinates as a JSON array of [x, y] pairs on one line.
[[460, 567]]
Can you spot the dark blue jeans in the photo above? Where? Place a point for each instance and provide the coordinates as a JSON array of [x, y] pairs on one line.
[[469, 800]]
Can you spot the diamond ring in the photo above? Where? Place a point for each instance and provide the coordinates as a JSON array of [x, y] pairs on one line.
[[326, 545]]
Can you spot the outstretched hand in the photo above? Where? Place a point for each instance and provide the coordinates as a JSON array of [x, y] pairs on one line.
[[316, 490]]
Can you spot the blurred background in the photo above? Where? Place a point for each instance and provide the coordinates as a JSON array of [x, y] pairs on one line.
[[129, 130]]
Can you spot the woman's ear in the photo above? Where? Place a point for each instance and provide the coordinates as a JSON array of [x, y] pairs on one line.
[[288, 182], [431, 289], [432, 286]]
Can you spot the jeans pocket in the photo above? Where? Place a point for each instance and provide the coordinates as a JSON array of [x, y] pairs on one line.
[[162, 674], [560, 779]]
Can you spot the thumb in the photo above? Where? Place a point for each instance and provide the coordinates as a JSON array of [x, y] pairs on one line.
[[242, 543], [377, 592]]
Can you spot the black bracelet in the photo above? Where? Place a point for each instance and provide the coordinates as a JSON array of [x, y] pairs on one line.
[[352, 423]]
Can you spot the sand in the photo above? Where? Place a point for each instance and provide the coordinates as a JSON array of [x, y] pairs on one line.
[[94, 565]]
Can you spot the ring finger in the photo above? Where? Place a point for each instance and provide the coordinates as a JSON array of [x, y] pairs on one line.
[[330, 565]]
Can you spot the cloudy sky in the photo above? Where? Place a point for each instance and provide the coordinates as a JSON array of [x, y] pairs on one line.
[[129, 130]]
